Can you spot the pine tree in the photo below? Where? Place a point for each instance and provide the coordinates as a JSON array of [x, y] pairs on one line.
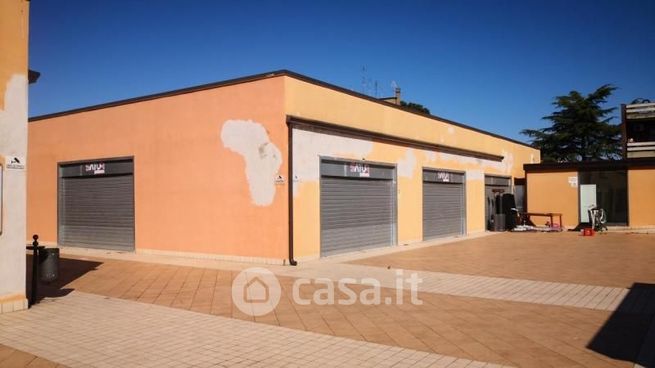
[[580, 129]]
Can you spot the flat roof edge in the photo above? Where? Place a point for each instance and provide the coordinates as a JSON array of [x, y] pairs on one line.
[[256, 77], [402, 108], [154, 96], [294, 121]]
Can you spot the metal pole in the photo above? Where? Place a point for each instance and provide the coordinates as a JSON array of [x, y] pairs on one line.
[[35, 269]]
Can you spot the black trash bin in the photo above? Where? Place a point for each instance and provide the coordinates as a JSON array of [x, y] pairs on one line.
[[49, 264]]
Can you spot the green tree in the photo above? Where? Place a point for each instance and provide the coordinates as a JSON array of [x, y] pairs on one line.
[[580, 129], [415, 106], [640, 100]]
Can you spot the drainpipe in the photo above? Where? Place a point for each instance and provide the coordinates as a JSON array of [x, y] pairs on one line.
[[292, 261]]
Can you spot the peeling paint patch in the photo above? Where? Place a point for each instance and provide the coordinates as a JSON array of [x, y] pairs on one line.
[[430, 155], [263, 158], [13, 142], [508, 161], [474, 174], [451, 130], [504, 166], [309, 146], [13, 126], [406, 164], [460, 159]]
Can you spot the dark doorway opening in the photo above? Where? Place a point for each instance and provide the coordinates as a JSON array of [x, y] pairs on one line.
[[611, 193]]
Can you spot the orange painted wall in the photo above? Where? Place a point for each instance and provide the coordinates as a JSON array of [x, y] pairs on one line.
[[14, 17], [551, 192], [309, 101], [191, 191], [305, 100], [641, 191]]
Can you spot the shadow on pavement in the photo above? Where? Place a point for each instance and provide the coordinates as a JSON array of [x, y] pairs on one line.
[[627, 329], [69, 270]]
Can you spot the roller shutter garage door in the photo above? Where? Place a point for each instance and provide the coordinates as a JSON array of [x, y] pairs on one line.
[[96, 205], [358, 206], [444, 207]]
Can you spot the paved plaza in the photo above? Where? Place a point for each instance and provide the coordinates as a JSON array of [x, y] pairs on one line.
[[523, 300]]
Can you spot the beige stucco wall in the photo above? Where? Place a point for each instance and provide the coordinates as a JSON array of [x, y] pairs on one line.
[[308, 101], [205, 165], [641, 191], [552, 192], [13, 142], [309, 147]]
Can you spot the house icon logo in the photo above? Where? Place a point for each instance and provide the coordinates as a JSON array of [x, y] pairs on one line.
[[256, 291]]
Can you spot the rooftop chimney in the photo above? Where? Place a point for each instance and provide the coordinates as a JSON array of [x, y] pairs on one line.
[[397, 96]]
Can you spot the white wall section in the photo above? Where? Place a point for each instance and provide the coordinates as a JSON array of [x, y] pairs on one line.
[[13, 142], [505, 166], [308, 147], [406, 164], [263, 159], [13, 135]]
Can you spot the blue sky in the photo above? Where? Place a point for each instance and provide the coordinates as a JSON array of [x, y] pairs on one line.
[[495, 65]]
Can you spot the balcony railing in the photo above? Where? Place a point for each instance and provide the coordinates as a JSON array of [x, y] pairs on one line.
[[641, 149], [640, 111]]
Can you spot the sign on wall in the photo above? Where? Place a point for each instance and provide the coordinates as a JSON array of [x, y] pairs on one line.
[[439, 176], [443, 176], [95, 168], [92, 168], [359, 169], [356, 169], [15, 162], [573, 181]]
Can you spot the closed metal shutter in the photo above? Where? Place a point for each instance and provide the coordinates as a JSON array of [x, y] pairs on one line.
[[444, 207], [357, 212], [96, 210]]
